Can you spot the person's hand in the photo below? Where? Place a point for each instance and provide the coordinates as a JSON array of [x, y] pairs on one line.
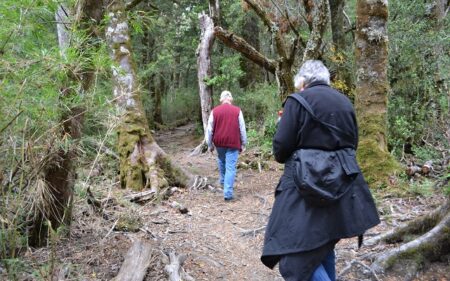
[[211, 149], [243, 149]]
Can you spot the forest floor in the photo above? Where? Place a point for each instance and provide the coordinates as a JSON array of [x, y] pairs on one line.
[[212, 234]]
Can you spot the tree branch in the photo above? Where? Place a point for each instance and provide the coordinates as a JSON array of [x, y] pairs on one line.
[[273, 27], [239, 44]]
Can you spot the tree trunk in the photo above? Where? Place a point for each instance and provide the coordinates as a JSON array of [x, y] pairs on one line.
[[372, 88], [343, 74], [143, 164], [318, 12], [250, 33], [204, 66], [337, 24], [56, 184]]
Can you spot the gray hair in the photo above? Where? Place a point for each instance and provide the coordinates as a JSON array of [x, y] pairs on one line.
[[312, 71], [225, 95]]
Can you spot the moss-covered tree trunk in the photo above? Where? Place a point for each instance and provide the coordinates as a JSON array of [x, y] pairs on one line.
[[143, 164], [372, 89], [317, 18], [52, 206]]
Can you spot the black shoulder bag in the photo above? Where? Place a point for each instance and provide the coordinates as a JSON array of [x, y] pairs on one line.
[[323, 177]]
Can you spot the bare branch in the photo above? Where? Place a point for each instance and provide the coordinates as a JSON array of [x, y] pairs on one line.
[[239, 44]]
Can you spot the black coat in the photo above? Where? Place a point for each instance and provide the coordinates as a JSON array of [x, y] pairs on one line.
[[294, 226]]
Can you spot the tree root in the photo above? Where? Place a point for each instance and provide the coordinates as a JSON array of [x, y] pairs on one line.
[[430, 246], [416, 226]]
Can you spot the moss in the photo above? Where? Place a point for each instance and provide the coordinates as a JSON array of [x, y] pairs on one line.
[[173, 175], [377, 165], [133, 128], [129, 222]]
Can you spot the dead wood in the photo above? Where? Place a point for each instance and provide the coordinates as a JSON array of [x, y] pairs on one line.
[[204, 71], [137, 260], [253, 232], [91, 200], [141, 197], [175, 270], [199, 149]]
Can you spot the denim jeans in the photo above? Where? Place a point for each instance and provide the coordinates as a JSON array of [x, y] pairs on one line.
[[226, 161], [290, 270], [326, 271]]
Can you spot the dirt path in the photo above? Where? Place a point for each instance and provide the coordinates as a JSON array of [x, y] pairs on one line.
[[210, 234]]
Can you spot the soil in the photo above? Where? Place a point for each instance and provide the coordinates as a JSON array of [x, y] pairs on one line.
[[214, 235]]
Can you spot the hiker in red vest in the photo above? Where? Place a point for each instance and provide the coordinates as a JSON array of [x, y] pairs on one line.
[[226, 132]]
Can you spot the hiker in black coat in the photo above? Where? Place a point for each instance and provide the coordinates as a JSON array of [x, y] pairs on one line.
[[301, 236]]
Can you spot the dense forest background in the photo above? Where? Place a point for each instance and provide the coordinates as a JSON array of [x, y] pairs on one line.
[[50, 86]]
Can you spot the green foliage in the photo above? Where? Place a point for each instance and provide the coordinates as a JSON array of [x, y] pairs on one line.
[[423, 188], [260, 106], [229, 73], [418, 106], [181, 104]]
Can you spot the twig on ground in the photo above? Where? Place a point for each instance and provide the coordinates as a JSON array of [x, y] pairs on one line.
[[253, 231], [355, 262]]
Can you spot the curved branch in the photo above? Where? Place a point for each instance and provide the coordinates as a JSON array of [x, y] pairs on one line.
[[239, 44]]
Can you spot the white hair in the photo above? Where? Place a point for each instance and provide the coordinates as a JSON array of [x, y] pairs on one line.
[[312, 71], [225, 95]]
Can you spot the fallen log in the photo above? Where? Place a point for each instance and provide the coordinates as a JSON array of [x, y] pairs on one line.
[[137, 260], [141, 196]]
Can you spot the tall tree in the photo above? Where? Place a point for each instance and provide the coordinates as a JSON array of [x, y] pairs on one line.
[[280, 22], [204, 67], [56, 184], [143, 164], [431, 231], [372, 87]]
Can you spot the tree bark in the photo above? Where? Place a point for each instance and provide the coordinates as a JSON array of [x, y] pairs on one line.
[[143, 164], [337, 24], [137, 260], [372, 88], [319, 10], [56, 184], [204, 69]]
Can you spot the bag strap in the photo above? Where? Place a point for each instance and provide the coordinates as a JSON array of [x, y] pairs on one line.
[[331, 127]]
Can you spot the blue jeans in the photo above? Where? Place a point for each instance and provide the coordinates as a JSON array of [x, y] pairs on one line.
[[326, 271], [227, 160], [290, 270]]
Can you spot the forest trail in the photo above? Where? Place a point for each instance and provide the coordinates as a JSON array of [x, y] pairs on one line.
[[210, 234]]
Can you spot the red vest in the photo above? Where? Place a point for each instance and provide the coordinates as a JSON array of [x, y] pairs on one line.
[[226, 131]]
